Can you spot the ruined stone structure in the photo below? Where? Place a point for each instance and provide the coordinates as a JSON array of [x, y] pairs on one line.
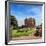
[[30, 22]]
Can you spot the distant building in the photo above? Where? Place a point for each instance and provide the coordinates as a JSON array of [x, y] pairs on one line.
[[30, 22]]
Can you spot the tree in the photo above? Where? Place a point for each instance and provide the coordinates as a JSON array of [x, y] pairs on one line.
[[13, 21]]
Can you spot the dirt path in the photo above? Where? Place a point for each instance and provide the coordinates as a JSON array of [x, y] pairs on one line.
[[26, 38]]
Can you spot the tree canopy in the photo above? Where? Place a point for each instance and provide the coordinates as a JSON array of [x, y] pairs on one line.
[[13, 21]]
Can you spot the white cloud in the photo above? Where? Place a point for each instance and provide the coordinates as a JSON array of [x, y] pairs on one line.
[[20, 22]]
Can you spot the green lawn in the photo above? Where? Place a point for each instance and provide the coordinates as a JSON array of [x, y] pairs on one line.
[[22, 32]]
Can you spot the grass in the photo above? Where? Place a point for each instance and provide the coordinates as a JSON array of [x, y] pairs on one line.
[[22, 32]]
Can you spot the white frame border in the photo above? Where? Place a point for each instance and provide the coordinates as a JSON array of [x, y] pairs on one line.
[[25, 41]]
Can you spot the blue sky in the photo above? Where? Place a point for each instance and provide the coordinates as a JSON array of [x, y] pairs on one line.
[[22, 11]]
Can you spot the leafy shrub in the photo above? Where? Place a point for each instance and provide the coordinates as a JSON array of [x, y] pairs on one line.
[[22, 32]]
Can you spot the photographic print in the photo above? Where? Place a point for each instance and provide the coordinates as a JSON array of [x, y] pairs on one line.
[[26, 22]]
